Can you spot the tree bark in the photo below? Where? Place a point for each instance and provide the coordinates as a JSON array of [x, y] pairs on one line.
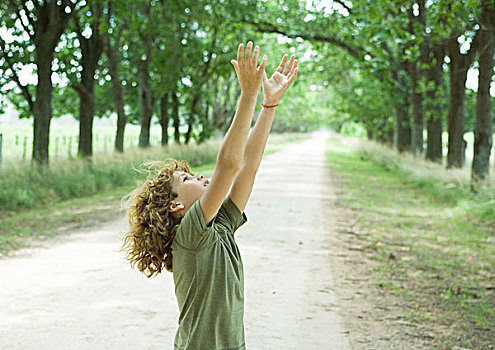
[[175, 105], [49, 24], [164, 118], [117, 91], [434, 115], [417, 110], [483, 128], [145, 103], [118, 98], [91, 50], [403, 128], [42, 108], [86, 116], [416, 72], [144, 89], [459, 65], [385, 132], [192, 117], [402, 137], [369, 133]]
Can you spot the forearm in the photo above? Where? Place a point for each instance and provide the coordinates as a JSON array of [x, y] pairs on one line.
[[256, 143], [232, 150]]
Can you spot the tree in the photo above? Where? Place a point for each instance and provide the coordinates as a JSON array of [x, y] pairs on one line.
[[483, 128], [460, 62], [116, 24], [36, 28], [91, 46]]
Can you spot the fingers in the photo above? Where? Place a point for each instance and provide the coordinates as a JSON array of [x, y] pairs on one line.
[[291, 77], [249, 49], [254, 62], [240, 52], [288, 68], [236, 66], [263, 64], [281, 66]]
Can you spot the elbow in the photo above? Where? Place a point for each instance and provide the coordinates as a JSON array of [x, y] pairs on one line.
[[228, 161]]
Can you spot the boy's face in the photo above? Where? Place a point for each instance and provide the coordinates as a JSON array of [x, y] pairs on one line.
[[189, 189]]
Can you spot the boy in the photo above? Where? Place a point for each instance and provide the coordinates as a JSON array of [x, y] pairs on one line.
[[175, 211]]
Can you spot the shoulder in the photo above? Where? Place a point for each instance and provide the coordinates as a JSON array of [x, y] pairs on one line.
[[230, 216]]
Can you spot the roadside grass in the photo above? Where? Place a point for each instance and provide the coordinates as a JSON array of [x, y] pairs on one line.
[[36, 204], [433, 239]]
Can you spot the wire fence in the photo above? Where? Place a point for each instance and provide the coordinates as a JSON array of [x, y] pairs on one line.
[[15, 148]]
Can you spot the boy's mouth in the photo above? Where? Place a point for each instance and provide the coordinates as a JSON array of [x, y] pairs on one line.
[[206, 182]]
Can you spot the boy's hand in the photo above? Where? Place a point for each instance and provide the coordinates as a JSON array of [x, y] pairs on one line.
[[249, 75], [275, 87]]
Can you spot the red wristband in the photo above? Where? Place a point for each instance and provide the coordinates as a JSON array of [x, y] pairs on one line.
[[265, 106]]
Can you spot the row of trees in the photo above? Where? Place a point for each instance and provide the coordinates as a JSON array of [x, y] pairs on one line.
[[138, 59], [409, 58], [398, 67]]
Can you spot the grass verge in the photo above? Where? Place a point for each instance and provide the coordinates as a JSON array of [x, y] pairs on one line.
[[434, 242], [70, 194]]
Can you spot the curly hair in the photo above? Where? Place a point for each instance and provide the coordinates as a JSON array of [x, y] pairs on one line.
[[148, 243]]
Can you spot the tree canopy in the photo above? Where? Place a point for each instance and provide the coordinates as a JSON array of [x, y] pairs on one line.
[[397, 68]]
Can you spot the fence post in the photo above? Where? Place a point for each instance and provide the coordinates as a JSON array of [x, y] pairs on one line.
[[69, 150], [1, 139], [24, 147]]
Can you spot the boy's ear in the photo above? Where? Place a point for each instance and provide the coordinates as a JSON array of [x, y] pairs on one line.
[[175, 207]]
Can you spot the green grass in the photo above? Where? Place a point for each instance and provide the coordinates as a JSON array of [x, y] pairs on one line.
[[430, 235], [38, 203], [25, 186]]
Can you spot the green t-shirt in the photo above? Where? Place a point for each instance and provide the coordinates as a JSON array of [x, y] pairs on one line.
[[209, 280]]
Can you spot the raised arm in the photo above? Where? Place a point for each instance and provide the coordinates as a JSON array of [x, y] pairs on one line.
[[231, 153], [273, 91]]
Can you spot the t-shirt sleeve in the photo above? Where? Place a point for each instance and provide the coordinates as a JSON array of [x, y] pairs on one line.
[[192, 231], [230, 216]]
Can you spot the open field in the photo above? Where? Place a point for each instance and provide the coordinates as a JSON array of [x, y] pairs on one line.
[[18, 138]]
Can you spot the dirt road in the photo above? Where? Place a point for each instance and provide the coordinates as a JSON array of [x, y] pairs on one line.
[[79, 293]]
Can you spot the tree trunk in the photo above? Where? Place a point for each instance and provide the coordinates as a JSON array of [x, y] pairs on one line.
[[43, 105], [51, 21], [417, 112], [459, 65], [175, 105], [382, 132], [164, 118], [91, 50], [434, 115], [117, 91], [415, 71], [456, 117], [369, 133], [118, 98], [86, 116], [192, 117], [402, 136], [145, 103], [403, 128], [483, 128]]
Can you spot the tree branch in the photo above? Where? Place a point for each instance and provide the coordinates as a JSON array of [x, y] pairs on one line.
[[270, 28], [343, 4], [19, 16], [30, 20], [24, 89]]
